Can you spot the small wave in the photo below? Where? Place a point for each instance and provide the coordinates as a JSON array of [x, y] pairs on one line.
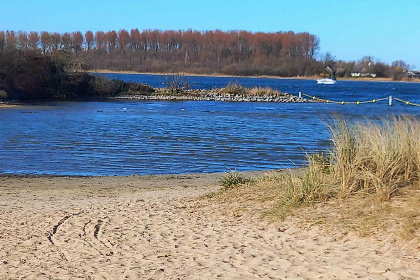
[[266, 108]]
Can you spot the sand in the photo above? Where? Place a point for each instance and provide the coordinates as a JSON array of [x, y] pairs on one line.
[[158, 227]]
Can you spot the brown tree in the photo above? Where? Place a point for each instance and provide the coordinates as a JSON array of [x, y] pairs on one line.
[[135, 39], [77, 41], [23, 42], [45, 40], [66, 41], [33, 40], [2, 41], [89, 40], [123, 39], [111, 40], [55, 41], [11, 40], [100, 40]]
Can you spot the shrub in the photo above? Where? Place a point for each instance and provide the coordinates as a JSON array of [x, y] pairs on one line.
[[30, 75], [177, 83]]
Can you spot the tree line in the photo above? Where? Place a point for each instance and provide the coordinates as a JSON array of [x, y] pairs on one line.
[[233, 52], [245, 53]]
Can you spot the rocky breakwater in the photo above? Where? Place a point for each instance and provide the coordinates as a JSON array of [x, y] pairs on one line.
[[214, 95]]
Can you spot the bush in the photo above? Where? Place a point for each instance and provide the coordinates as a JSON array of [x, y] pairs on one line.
[[397, 73], [30, 75], [177, 83]]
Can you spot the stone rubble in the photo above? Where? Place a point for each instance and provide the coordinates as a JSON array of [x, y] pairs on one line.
[[205, 95]]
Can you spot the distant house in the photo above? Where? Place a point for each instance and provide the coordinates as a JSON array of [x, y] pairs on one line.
[[412, 74], [359, 74], [363, 73]]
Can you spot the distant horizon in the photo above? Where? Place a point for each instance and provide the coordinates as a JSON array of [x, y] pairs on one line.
[[348, 31]]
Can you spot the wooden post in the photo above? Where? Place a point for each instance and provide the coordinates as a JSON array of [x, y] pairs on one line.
[[300, 94], [390, 100]]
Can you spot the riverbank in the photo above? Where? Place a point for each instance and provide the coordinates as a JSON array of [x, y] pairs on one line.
[[360, 79], [9, 105], [169, 227]]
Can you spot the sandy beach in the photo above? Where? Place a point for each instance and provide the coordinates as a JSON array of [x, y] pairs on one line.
[[161, 227]]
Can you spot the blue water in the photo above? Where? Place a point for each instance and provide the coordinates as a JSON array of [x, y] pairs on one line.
[[344, 90], [156, 137]]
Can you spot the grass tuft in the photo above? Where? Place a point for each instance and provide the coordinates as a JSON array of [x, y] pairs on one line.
[[235, 88], [233, 179], [367, 158], [376, 158]]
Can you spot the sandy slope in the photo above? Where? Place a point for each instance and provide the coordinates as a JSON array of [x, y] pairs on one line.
[[154, 227]]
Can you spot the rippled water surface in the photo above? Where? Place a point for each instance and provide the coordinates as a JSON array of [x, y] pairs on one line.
[[156, 137]]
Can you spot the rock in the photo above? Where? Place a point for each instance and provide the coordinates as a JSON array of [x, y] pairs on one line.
[[209, 95]]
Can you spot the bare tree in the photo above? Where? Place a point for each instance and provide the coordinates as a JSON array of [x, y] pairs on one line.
[[89, 40], [2, 41], [33, 39], [177, 83], [23, 42]]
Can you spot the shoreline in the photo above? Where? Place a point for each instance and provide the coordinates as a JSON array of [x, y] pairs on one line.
[[366, 79], [163, 94], [146, 176]]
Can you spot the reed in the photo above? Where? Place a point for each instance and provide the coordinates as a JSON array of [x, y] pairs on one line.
[[234, 88], [264, 91]]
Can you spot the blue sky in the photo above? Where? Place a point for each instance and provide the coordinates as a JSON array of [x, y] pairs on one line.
[[387, 30]]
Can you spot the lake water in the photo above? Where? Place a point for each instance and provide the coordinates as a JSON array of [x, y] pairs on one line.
[[156, 137]]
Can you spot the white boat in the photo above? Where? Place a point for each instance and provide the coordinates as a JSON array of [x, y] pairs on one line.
[[326, 81]]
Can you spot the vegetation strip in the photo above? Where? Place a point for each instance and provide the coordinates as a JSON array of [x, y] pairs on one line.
[[243, 53], [369, 182]]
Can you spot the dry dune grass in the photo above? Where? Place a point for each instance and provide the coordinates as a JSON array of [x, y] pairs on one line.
[[234, 88], [369, 183]]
